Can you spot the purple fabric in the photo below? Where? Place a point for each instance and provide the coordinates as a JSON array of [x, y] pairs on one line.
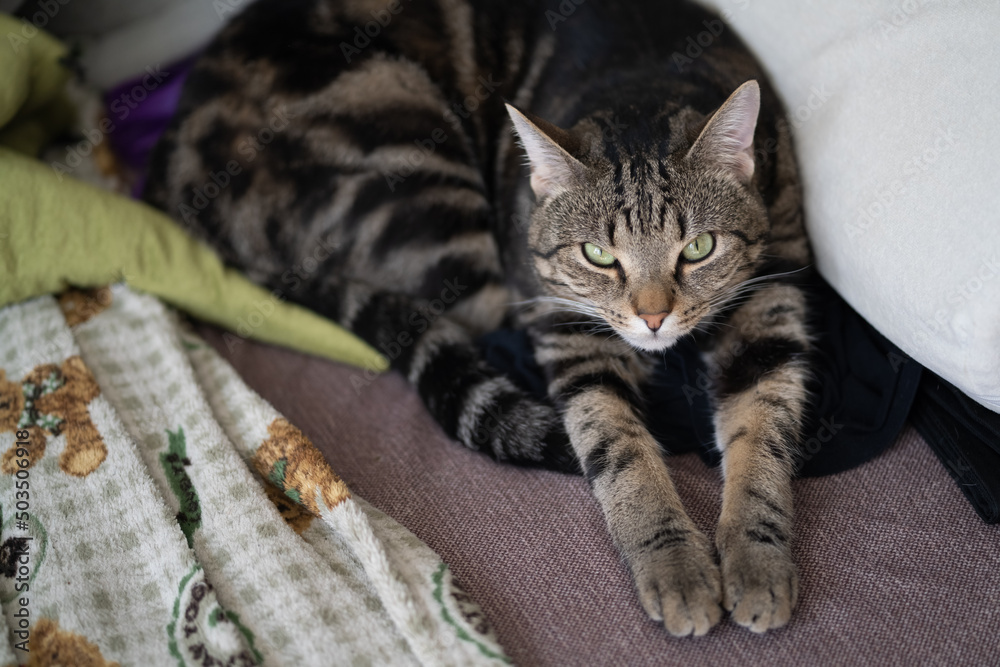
[[140, 110]]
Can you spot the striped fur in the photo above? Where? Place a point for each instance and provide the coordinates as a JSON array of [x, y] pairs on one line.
[[357, 157]]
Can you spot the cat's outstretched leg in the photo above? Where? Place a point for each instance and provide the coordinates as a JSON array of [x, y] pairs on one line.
[[762, 374], [594, 379]]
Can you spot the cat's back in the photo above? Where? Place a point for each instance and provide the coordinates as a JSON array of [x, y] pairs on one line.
[[306, 121], [376, 130]]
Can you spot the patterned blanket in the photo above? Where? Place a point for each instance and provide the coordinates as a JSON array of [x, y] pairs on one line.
[[156, 511]]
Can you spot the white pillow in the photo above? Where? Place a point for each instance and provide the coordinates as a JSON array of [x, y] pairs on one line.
[[123, 39], [896, 116]]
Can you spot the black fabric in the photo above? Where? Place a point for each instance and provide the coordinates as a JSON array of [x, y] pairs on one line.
[[966, 438], [861, 392]]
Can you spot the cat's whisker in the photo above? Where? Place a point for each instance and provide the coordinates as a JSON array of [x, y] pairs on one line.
[[595, 326], [729, 300], [769, 276], [562, 304], [706, 326]]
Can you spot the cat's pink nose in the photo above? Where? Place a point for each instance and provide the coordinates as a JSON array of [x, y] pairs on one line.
[[654, 321]]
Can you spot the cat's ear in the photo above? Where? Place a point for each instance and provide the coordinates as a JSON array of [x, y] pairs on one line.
[[727, 139], [553, 168]]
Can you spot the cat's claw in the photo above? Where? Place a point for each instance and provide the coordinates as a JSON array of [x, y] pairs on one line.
[[760, 585], [681, 587]]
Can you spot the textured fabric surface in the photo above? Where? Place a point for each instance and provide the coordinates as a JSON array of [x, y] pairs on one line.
[[156, 511], [896, 567], [888, 101]]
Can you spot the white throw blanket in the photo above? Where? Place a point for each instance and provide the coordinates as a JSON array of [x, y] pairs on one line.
[[168, 514]]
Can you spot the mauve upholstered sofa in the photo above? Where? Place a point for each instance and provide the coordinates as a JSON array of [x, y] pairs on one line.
[[896, 567]]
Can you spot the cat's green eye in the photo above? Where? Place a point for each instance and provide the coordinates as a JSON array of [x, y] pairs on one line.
[[699, 248], [598, 255]]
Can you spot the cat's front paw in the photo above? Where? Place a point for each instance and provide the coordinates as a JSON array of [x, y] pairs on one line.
[[679, 585], [760, 583]]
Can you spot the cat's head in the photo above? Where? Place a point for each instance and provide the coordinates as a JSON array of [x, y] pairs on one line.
[[651, 239]]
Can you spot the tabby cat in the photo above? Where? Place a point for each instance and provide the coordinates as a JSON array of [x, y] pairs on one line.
[[387, 139]]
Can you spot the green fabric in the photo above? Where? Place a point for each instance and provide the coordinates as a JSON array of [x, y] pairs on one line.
[[55, 233], [33, 104]]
